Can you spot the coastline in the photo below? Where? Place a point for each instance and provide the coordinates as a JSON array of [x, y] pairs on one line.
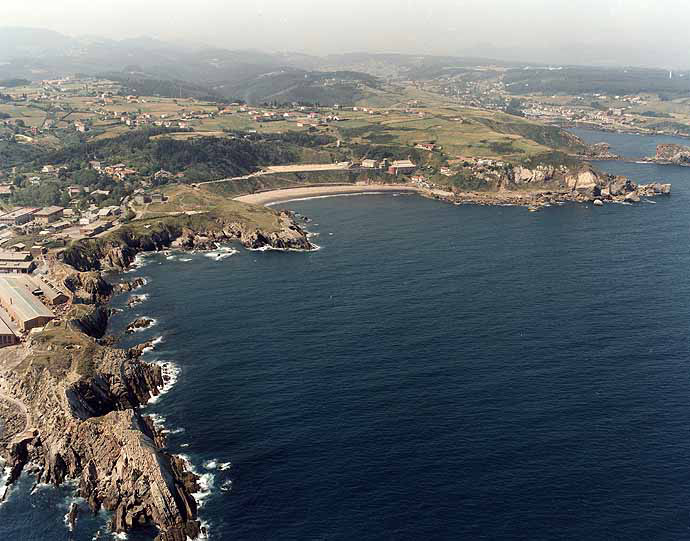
[[272, 197]]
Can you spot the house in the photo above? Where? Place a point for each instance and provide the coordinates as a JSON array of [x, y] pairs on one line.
[[425, 146], [142, 199], [96, 165], [48, 169], [157, 197], [401, 167], [38, 251], [370, 164], [447, 171], [80, 126], [5, 190], [162, 174], [74, 191], [48, 215]]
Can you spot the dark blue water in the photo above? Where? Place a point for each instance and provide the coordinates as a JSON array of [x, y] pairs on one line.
[[433, 372]]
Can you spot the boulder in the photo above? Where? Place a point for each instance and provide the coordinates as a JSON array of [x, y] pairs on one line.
[[598, 203], [632, 197]]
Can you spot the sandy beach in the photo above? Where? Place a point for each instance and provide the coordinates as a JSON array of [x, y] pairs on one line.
[[288, 194]]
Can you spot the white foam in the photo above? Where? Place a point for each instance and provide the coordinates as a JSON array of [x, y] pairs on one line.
[[170, 373], [204, 480], [158, 420], [4, 475], [173, 431], [268, 248], [186, 259], [152, 345], [221, 253], [210, 464], [226, 486], [140, 260], [153, 323], [224, 466]]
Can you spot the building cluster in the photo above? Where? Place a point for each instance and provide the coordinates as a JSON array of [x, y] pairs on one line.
[[396, 167]]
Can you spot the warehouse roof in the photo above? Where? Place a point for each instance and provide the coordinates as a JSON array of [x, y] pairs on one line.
[[5, 328], [24, 303], [49, 211]]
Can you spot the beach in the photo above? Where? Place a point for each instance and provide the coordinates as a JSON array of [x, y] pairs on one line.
[[289, 194]]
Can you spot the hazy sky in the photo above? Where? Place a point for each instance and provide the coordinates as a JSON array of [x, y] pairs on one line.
[[643, 32]]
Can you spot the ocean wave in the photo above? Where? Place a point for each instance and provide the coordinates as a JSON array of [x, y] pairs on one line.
[[170, 373], [158, 420], [186, 259], [4, 476], [140, 260], [267, 248], [204, 480], [224, 466], [153, 344], [210, 464], [221, 253]]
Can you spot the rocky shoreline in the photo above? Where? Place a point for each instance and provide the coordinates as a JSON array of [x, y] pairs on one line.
[[70, 407]]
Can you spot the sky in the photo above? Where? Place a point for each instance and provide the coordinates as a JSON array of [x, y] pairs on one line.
[[629, 32]]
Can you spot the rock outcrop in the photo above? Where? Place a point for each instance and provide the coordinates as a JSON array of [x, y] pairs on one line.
[[139, 324], [672, 154], [83, 402]]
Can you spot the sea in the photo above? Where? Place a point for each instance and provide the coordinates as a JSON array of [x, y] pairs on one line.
[[431, 372]]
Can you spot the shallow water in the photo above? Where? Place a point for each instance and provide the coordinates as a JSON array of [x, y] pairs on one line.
[[433, 372]]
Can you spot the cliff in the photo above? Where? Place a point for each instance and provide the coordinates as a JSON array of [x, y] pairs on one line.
[[197, 231], [82, 404]]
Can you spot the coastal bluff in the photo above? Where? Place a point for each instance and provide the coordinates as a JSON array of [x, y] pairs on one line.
[[70, 400]]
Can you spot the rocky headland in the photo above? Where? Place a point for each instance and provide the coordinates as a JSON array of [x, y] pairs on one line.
[[70, 401], [545, 185]]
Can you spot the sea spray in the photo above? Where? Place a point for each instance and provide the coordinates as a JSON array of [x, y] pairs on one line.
[[170, 372]]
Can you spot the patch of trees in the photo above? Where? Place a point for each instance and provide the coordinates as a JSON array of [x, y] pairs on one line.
[[203, 158]]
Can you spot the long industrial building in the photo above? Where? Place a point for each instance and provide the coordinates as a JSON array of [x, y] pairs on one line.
[[25, 308]]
